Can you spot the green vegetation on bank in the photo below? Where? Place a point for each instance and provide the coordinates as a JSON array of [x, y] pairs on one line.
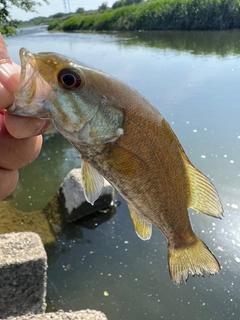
[[158, 15]]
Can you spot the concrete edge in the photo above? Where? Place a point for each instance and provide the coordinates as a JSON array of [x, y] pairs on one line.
[[60, 315]]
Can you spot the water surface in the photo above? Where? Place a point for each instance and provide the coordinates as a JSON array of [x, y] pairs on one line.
[[193, 79]]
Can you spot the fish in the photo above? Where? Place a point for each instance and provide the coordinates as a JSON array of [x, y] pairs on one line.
[[123, 138]]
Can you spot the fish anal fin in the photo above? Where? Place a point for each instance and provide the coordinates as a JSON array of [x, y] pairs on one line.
[[203, 195], [142, 227], [192, 260], [92, 182]]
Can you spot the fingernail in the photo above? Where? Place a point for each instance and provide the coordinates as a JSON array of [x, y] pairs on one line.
[[8, 68], [9, 76]]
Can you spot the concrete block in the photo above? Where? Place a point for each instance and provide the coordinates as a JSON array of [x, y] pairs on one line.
[[23, 264], [60, 315], [72, 197]]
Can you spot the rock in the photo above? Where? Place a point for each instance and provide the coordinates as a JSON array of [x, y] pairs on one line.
[[23, 264], [72, 197], [60, 315]]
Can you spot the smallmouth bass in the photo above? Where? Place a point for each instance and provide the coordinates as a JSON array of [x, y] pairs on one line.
[[122, 137]]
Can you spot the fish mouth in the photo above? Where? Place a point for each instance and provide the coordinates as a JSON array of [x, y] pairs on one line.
[[32, 90], [28, 69], [27, 59]]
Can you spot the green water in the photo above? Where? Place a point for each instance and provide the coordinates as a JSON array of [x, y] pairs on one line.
[[193, 78]]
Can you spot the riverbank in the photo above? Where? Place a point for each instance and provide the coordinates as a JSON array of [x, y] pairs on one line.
[[158, 15]]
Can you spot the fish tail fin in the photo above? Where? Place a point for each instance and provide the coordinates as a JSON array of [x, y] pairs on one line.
[[203, 195], [192, 260]]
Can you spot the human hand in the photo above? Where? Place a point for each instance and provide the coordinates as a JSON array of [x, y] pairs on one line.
[[20, 137]]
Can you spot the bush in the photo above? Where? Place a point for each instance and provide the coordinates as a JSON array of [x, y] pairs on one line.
[[54, 24], [119, 19], [162, 15], [87, 22], [72, 23]]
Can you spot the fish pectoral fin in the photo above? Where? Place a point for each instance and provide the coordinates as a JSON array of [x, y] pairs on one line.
[[191, 260], [92, 182], [142, 227], [203, 195]]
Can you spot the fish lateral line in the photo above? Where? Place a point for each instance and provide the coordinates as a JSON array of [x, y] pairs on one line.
[[122, 136]]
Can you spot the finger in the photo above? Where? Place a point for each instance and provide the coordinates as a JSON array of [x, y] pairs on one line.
[[9, 76], [24, 127], [16, 153], [6, 98], [4, 57], [8, 181]]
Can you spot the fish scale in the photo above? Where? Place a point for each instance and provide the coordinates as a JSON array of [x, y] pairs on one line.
[[123, 138]]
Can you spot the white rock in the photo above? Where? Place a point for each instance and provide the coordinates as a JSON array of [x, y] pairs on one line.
[[72, 196]]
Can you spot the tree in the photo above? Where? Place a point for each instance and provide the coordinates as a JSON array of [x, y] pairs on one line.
[[5, 17], [58, 15], [80, 10], [103, 7], [122, 3], [117, 4]]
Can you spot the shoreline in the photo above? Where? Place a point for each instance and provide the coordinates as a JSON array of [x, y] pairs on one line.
[[157, 15]]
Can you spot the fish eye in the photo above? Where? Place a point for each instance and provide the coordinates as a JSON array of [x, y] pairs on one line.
[[69, 79]]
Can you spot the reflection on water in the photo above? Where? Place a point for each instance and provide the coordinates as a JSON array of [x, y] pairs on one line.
[[193, 79], [54, 162], [196, 42]]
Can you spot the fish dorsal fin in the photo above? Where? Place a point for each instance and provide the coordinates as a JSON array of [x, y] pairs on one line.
[[203, 195], [142, 227], [92, 182]]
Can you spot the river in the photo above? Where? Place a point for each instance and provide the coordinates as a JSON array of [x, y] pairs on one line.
[[193, 78]]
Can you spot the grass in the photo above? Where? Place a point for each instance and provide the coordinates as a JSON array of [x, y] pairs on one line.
[[161, 15]]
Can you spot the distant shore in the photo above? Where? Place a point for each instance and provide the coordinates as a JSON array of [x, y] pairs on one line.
[[157, 15]]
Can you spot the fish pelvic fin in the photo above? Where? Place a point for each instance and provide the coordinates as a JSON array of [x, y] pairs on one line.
[[191, 260], [92, 182], [203, 195], [142, 227]]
